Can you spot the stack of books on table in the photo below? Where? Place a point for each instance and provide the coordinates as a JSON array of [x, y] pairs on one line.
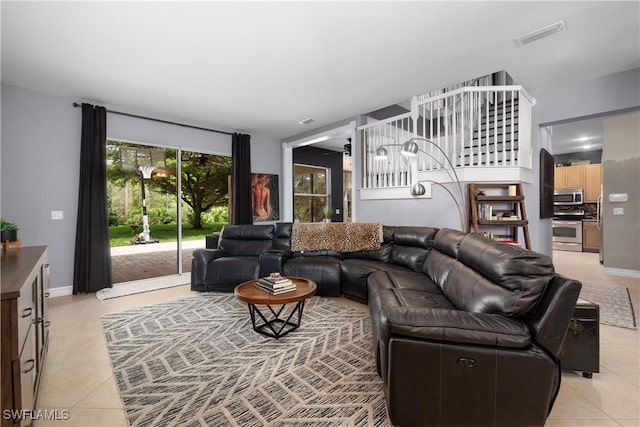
[[275, 285]]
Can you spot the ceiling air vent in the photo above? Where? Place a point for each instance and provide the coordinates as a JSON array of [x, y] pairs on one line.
[[540, 33], [307, 121]]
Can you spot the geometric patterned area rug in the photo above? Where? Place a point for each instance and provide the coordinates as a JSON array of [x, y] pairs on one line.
[[615, 304], [196, 361]]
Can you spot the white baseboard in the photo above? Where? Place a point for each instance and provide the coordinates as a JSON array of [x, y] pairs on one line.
[[634, 274], [60, 291], [144, 285], [127, 288]]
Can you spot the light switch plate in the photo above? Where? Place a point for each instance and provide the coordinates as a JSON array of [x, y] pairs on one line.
[[618, 211], [57, 215]]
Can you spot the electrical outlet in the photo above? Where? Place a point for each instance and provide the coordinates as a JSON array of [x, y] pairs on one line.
[[618, 211], [57, 215]]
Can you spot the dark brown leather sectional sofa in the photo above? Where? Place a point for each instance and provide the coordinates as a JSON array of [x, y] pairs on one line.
[[466, 330]]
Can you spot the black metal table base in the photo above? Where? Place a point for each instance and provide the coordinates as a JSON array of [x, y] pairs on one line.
[[276, 326]]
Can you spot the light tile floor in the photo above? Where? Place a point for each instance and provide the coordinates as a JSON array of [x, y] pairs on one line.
[[78, 376]]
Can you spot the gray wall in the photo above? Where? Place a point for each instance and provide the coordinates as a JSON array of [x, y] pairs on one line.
[[621, 174], [439, 211], [604, 95], [40, 155]]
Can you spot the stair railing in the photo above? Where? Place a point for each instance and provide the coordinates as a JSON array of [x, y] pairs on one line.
[[395, 171], [476, 126]]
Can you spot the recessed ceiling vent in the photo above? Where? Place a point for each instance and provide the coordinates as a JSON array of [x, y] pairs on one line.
[[307, 121], [540, 33]]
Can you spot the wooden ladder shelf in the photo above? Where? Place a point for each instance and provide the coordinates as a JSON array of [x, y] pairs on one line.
[[499, 206]]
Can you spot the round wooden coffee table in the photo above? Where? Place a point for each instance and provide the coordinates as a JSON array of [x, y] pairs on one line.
[[275, 325]]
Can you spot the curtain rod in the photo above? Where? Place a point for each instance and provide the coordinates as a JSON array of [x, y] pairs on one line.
[[75, 104]]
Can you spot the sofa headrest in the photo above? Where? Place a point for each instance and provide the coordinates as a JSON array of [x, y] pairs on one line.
[[420, 237], [282, 235], [522, 273], [512, 267], [245, 240], [411, 245], [448, 241]]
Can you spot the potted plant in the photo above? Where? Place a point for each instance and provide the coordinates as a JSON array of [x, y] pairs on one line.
[[9, 231], [327, 211]]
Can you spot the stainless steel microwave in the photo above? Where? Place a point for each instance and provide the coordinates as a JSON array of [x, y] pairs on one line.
[[569, 196]]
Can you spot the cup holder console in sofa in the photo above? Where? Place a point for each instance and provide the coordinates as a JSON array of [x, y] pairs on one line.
[[466, 330]]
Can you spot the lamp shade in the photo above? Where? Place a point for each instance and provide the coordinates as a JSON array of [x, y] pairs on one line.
[[410, 148], [418, 189], [381, 153]]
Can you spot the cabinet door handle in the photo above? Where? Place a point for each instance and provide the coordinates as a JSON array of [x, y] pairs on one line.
[[46, 294], [27, 312], [47, 323], [33, 365]]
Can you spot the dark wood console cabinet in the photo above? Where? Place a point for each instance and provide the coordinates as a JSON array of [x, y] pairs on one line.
[[24, 327]]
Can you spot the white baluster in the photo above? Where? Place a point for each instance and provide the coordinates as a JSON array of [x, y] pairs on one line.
[[504, 128]]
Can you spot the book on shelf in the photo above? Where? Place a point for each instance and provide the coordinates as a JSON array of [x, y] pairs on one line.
[[510, 242], [291, 287], [275, 285], [509, 218]]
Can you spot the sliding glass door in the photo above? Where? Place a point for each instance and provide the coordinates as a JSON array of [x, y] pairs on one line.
[[162, 203], [204, 194]]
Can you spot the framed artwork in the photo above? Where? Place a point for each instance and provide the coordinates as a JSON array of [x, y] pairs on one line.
[[265, 197]]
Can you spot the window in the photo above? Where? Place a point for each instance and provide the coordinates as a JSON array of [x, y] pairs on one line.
[[310, 192]]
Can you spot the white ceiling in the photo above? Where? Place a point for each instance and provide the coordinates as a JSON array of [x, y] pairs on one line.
[[576, 136], [261, 67]]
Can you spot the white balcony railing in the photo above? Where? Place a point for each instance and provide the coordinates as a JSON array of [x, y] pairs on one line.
[[478, 127]]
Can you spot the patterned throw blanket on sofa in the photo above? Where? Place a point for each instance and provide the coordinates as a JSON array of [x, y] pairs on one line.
[[337, 236]]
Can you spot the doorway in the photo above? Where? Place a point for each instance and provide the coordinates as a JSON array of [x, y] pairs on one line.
[[599, 156], [341, 144], [162, 203]]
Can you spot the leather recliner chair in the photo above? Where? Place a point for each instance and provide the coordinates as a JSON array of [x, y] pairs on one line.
[[235, 260]]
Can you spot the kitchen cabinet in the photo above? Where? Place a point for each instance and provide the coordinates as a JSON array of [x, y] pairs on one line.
[[568, 177], [590, 236], [587, 177], [24, 328], [592, 182]]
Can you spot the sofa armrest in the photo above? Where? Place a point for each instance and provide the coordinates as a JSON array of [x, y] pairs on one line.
[[453, 326], [551, 320], [271, 260], [204, 256], [201, 258]]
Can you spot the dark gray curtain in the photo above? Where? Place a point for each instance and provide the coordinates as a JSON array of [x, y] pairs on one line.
[[241, 212], [92, 262]]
